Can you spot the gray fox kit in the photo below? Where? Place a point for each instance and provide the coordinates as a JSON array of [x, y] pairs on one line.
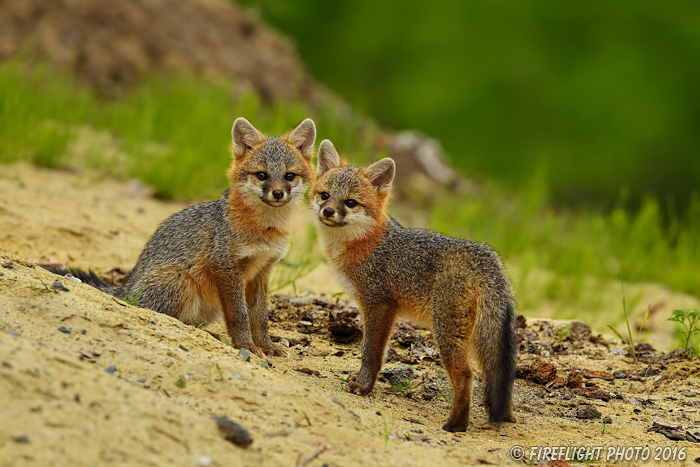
[[459, 286], [216, 256]]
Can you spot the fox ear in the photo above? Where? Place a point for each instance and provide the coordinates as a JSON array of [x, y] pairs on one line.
[[245, 137], [328, 157], [381, 174], [303, 137]]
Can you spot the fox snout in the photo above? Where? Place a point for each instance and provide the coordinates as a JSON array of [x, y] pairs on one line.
[[331, 215], [276, 195]]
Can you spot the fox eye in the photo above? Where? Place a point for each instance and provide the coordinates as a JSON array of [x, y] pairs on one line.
[[290, 176], [325, 195], [351, 203], [261, 176]]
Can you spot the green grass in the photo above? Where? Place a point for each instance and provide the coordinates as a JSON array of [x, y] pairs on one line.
[[402, 385], [580, 248], [172, 132]]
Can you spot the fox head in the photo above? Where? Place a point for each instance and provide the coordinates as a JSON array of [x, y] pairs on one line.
[[350, 201], [271, 172]]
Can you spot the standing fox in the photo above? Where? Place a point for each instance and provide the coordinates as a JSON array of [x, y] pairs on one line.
[[217, 256], [460, 286]]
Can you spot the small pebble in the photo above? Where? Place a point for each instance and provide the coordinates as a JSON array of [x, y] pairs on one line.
[[182, 347], [153, 322], [236, 375], [264, 393], [111, 369], [83, 331], [689, 394], [141, 380], [338, 401], [587, 412], [265, 365], [322, 302], [620, 375], [299, 301], [233, 432], [65, 329], [58, 286], [204, 461], [244, 355], [73, 278], [7, 264], [21, 438]]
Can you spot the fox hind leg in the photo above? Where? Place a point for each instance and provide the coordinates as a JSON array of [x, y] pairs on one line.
[[453, 329], [174, 292]]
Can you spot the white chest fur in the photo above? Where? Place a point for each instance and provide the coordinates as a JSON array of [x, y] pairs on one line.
[[345, 282], [258, 255]]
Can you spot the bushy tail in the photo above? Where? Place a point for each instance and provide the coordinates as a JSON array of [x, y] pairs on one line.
[[496, 347], [89, 278]]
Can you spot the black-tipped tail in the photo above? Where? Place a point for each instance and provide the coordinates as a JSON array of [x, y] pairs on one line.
[[89, 278], [497, 350]]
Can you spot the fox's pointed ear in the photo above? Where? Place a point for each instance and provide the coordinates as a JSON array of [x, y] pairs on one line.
[[245, 136], [303, 137], [328, 157], [381, 174]]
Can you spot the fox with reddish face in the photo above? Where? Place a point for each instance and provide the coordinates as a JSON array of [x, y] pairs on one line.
[[458, 286], [215, 258]]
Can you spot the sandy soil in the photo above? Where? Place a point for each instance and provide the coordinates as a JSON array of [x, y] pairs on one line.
[[64, 408]]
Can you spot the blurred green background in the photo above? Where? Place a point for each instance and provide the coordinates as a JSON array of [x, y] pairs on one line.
[[602, 97]]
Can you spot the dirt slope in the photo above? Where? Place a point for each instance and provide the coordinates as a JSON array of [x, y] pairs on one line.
[[155, 408], [111, 45]]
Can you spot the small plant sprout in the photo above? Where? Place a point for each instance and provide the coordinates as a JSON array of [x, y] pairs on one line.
[[134, 301], [337, 296], [691, 324], [563, 333], [221, 373], [387, 428], [400, 386], [630, 340], [181, 383], [46, 288], [603, 425], [201, 324]]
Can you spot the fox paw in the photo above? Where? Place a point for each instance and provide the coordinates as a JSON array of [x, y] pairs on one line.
[[275, 351], [250, 347], [454, 427], [356, 388]]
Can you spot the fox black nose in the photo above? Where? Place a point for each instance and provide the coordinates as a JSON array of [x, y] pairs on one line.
[[278, 194], [328, 212]]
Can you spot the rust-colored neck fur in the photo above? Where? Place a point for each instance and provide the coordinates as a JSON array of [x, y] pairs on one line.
[[246, 221]]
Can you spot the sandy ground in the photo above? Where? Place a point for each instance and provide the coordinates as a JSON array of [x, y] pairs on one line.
[[63, 406]]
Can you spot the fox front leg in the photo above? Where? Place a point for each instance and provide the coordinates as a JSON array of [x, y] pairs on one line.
[[378, 322], [232, 297], [256, 300]]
